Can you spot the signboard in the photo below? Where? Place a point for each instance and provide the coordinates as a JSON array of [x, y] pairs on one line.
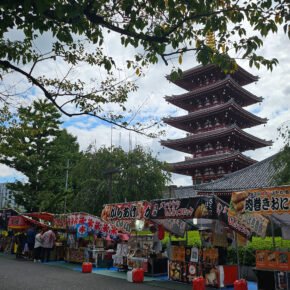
[[174, 226], [255, 222], [184, 208], [95, 224], [17, 222], [123, 215], [126, 211], [222, 211], [269, 201]]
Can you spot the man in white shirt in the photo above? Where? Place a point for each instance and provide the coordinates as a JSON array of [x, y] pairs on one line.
[[48, 239]]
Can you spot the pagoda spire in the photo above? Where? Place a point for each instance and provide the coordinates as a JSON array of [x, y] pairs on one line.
[[210, 40]]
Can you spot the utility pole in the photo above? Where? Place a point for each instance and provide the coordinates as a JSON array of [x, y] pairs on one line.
[[66, 183], [110, 172]]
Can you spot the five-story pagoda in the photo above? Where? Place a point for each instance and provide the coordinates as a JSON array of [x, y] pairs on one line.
[[215, 103]]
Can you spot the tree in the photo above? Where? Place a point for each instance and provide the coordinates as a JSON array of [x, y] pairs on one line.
[[159, 29], [138, 175], [33, 144], [282, 160]]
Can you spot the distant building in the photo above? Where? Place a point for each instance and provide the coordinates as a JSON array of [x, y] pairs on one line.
[[6, 197], [258, 175]]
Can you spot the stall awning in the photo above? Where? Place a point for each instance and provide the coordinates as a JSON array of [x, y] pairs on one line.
[[23, 222], [42, 215]]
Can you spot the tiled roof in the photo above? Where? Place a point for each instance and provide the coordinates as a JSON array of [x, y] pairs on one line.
[[213, 134], [211, 87], [200, 68], [213, 110], [258, 175], [213, 159]]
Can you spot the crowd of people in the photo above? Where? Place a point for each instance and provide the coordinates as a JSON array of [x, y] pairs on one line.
[[36, 244]]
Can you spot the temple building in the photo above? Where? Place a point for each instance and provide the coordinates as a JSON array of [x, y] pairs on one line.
[[216, 116]]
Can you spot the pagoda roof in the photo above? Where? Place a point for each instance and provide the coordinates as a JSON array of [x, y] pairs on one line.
[[251, 118], [241, 75], [178, 100], [258, 175], [182, 143], [183, 166]]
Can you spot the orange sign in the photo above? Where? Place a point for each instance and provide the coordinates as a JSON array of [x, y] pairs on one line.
[[268, 200]]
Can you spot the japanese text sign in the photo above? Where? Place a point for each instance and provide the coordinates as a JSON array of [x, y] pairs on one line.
[[270, 200]]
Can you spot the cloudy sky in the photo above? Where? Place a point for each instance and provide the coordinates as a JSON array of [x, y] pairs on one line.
[[273, 86]]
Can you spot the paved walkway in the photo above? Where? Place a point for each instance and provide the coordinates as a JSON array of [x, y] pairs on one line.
[[22, 274]]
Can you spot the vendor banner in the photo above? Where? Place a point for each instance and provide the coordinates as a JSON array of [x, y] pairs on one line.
[[222, 211], [95, 224], [183, 208], [268, 200], [255, 222], [126, 211], [174, 226]]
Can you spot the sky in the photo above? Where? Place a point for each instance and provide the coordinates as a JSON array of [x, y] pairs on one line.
[[273, 86]]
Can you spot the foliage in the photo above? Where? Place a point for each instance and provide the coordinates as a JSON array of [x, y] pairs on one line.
[[33, 144], [137, 176], [157, 29], [282, 160]]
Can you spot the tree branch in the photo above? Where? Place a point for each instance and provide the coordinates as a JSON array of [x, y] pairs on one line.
[[48, 95]]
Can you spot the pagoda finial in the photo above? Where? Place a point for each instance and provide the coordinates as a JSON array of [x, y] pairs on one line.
[[210, 39]]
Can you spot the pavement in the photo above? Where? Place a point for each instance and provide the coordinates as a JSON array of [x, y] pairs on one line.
[[23, 274]]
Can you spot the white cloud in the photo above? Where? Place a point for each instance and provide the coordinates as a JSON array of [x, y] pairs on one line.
[[273, 86]]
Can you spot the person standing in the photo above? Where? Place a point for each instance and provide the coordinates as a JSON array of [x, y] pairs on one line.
[[38, 246], [48, 239], [30, 238]]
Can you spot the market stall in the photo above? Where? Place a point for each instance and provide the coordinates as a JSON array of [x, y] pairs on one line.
[[6, 236], [209, 215], [88, 238], [138, 251], [271, 204]]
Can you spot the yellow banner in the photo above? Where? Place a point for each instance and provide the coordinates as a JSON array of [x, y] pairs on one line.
[[268, 200]]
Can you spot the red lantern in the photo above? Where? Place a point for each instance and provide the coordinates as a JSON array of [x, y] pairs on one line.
[[160, 232]]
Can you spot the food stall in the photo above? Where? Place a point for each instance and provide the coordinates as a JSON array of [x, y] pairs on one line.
[[138, 251], [273, 204], [207, 214], [88, 238], [6, 237]]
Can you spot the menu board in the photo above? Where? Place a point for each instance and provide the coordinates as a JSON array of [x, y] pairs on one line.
[[179, 253]]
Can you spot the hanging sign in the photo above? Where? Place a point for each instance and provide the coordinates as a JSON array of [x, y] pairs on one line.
[[255, 222], [269, 201], [222, 211], [82, 230], [126, 211], [184, 208], [122, 216], [174, 226]]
